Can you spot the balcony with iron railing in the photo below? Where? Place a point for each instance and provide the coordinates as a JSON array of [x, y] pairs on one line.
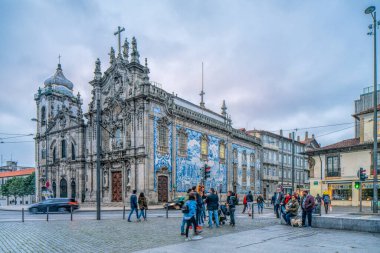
[[333, 173], [270, 177]]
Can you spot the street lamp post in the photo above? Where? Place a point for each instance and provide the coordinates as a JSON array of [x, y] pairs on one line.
[[293, 162], [98, 150], [371, 10]]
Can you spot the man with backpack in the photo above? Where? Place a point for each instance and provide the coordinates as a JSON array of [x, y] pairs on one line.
[[198, 200], [231, 201], [212, 202], [326, 202]]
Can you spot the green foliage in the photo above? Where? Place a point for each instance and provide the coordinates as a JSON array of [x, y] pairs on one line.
[[19, 186]]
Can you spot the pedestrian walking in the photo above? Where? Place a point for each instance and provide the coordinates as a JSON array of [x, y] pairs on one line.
[[231, 200], [183, 224], [189, 214], [272, 201], [260, 203], [198, 200], [143, 206], [212, 202], [249, 202], [244, 203], [326, 202], [307, 204], [134, 207], [291, 209], [277, 202]]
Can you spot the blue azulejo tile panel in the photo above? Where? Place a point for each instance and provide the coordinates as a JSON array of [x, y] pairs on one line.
[[189, 166], [162, 160]]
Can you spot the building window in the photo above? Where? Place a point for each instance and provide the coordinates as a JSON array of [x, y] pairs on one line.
[[222, 151], [43, 153], [378, 163], [72, 151], [333, 169], [163, 138], [244, 174], [118, 138], [252, 176], [341, 191], [244, 156], [43, 116], [204, 146], [54, 155], [63, 148], [182, 142]]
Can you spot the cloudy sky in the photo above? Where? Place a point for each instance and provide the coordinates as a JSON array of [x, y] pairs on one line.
[[278, 64]]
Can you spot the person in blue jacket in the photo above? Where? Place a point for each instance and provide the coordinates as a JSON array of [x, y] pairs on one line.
[[134, 206], [189, 214]]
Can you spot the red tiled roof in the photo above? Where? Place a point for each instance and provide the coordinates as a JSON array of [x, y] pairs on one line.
[[342, 144], [24, 172]]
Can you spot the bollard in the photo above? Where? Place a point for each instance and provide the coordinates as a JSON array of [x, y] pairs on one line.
[[22, 214], [253, 210], [47, 214], [71, 213], [124, 213], [167, 210]]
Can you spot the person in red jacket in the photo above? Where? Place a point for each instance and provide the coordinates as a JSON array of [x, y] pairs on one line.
[[244, 203]]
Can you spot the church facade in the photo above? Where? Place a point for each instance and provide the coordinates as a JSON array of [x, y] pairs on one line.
[[151, 140]]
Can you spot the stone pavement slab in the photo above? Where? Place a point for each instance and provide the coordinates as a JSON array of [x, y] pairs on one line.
[[280, 239]]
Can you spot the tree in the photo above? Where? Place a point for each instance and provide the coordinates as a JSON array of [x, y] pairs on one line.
[[4, 190], [29, 187], [16, 185]]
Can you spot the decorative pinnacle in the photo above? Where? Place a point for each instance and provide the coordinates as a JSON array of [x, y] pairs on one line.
[[224, 108], [112, 55], [97, 72]]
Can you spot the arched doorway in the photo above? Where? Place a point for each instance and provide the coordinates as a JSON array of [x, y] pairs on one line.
[[54, 189], [63, 188], [162, 188], [73, 192]]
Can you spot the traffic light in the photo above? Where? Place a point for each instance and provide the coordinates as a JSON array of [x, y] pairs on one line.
[[362, 174], [357, 185], [207, 171]]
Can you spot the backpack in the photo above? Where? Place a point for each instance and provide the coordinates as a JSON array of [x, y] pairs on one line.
[[236, 201], [185, 209], [326, 199]]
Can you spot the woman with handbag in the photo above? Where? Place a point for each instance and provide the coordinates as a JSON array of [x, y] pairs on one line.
[[143, 205]]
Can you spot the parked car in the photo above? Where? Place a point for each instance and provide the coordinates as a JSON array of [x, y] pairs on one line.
[[55, 205], [177, 203]]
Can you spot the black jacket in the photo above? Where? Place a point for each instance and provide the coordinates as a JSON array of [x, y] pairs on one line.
[[212, 202], [249, 197]]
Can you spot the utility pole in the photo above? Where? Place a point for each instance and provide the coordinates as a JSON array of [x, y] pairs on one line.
[[292, 162], [98, 150]]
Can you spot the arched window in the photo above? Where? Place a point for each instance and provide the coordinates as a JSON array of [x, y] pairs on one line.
[[244, 156], [118, 139], [244, 174], [73, 189], [54, 155], [204, 146], [43, 116], [63, 188], [235, 154], [54, 189], [72, 151], [63, 148]]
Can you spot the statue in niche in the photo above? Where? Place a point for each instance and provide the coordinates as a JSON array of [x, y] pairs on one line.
[[105, 178]]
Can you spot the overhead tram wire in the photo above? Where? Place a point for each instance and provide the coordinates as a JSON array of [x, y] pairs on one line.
[[6, 142], [319, 136], [24, 134], [12, 137], [312, 127]]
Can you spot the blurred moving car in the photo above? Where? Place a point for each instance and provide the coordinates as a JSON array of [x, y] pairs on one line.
[[55, 205], [177, 203]]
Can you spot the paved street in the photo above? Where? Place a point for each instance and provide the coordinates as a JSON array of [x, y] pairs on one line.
[[109, 235], [278, 239]]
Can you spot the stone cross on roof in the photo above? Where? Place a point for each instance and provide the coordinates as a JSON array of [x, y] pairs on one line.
[[118, 32]]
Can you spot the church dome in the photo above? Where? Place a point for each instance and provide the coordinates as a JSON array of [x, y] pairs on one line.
[[59, 79]]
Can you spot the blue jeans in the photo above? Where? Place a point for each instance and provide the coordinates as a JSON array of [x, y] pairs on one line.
[[260, 207], [183, 225], [210, 214], [287, 217], [132, 210], [142, 213]]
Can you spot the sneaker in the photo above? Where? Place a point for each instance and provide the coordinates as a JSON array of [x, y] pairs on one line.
[[187, 239], [129, 221], [197, 237], [182, 234]]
